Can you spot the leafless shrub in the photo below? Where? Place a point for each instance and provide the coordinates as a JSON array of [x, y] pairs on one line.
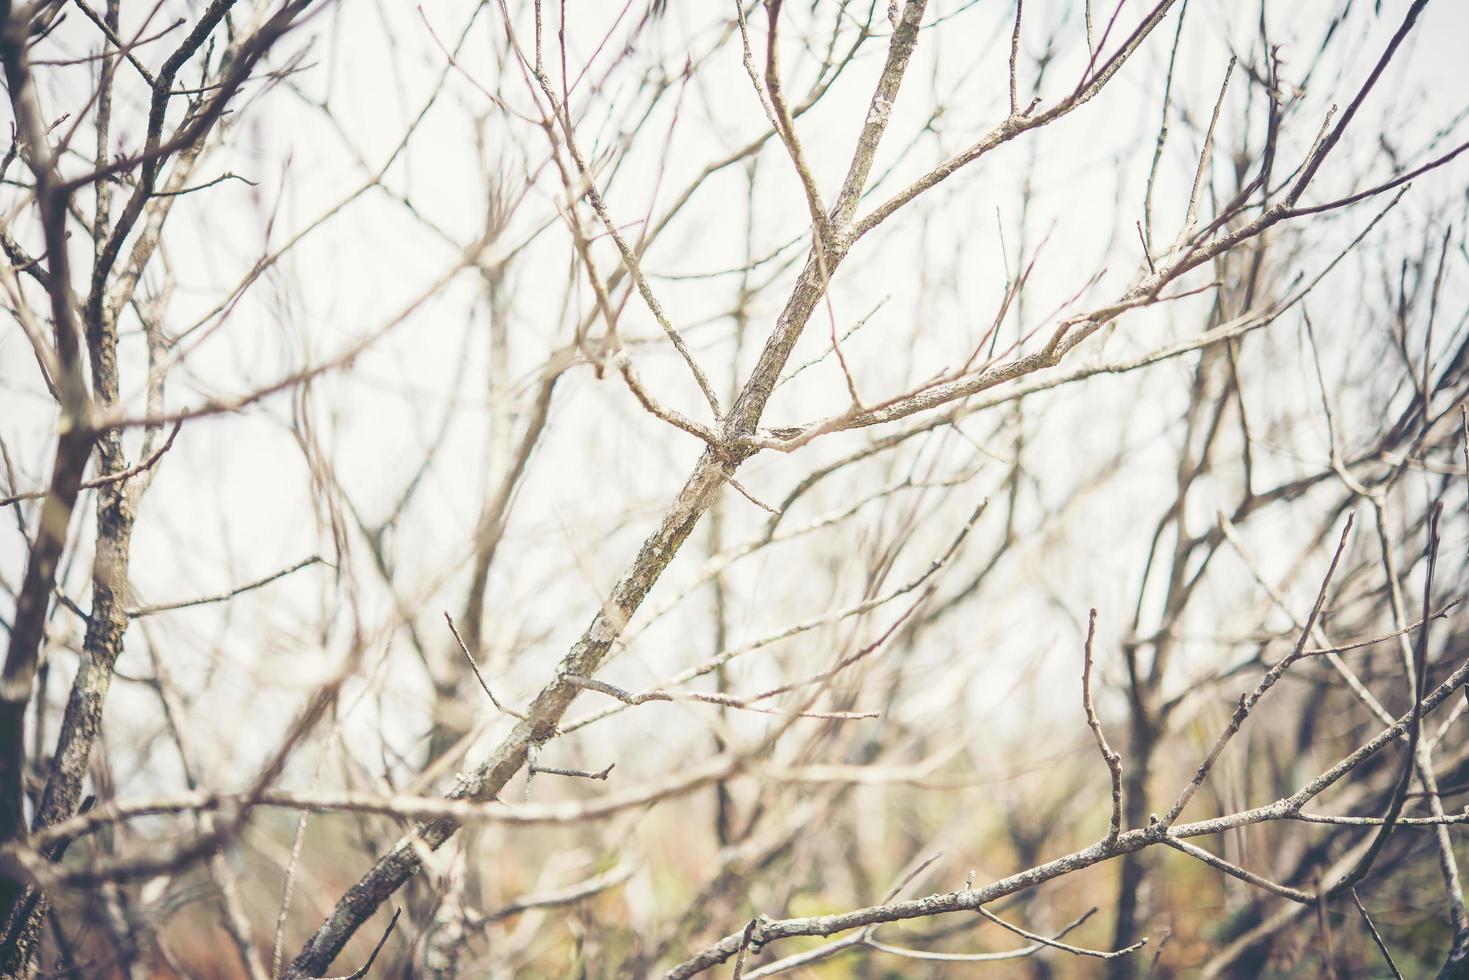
[[514, 489]]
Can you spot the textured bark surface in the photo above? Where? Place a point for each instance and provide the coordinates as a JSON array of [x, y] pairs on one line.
[[583, 659]]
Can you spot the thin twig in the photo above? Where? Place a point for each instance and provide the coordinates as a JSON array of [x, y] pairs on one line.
[[1234, 870], [600, 774], [1376, 936], [1418, 681], [1014, 57], [1113, 760], [225, 596], [140, 467], [752, 498], [1146, 230], [722, 700], [1100, 954], [1248, 701], [1205, 156], [739, 967], [561, 896], [1322, 651], [477, 675], [361, 971]]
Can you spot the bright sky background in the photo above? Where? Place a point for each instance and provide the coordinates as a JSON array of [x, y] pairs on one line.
[[232, 501]]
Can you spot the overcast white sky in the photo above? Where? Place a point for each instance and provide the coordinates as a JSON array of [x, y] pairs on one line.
[[232, 501]]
